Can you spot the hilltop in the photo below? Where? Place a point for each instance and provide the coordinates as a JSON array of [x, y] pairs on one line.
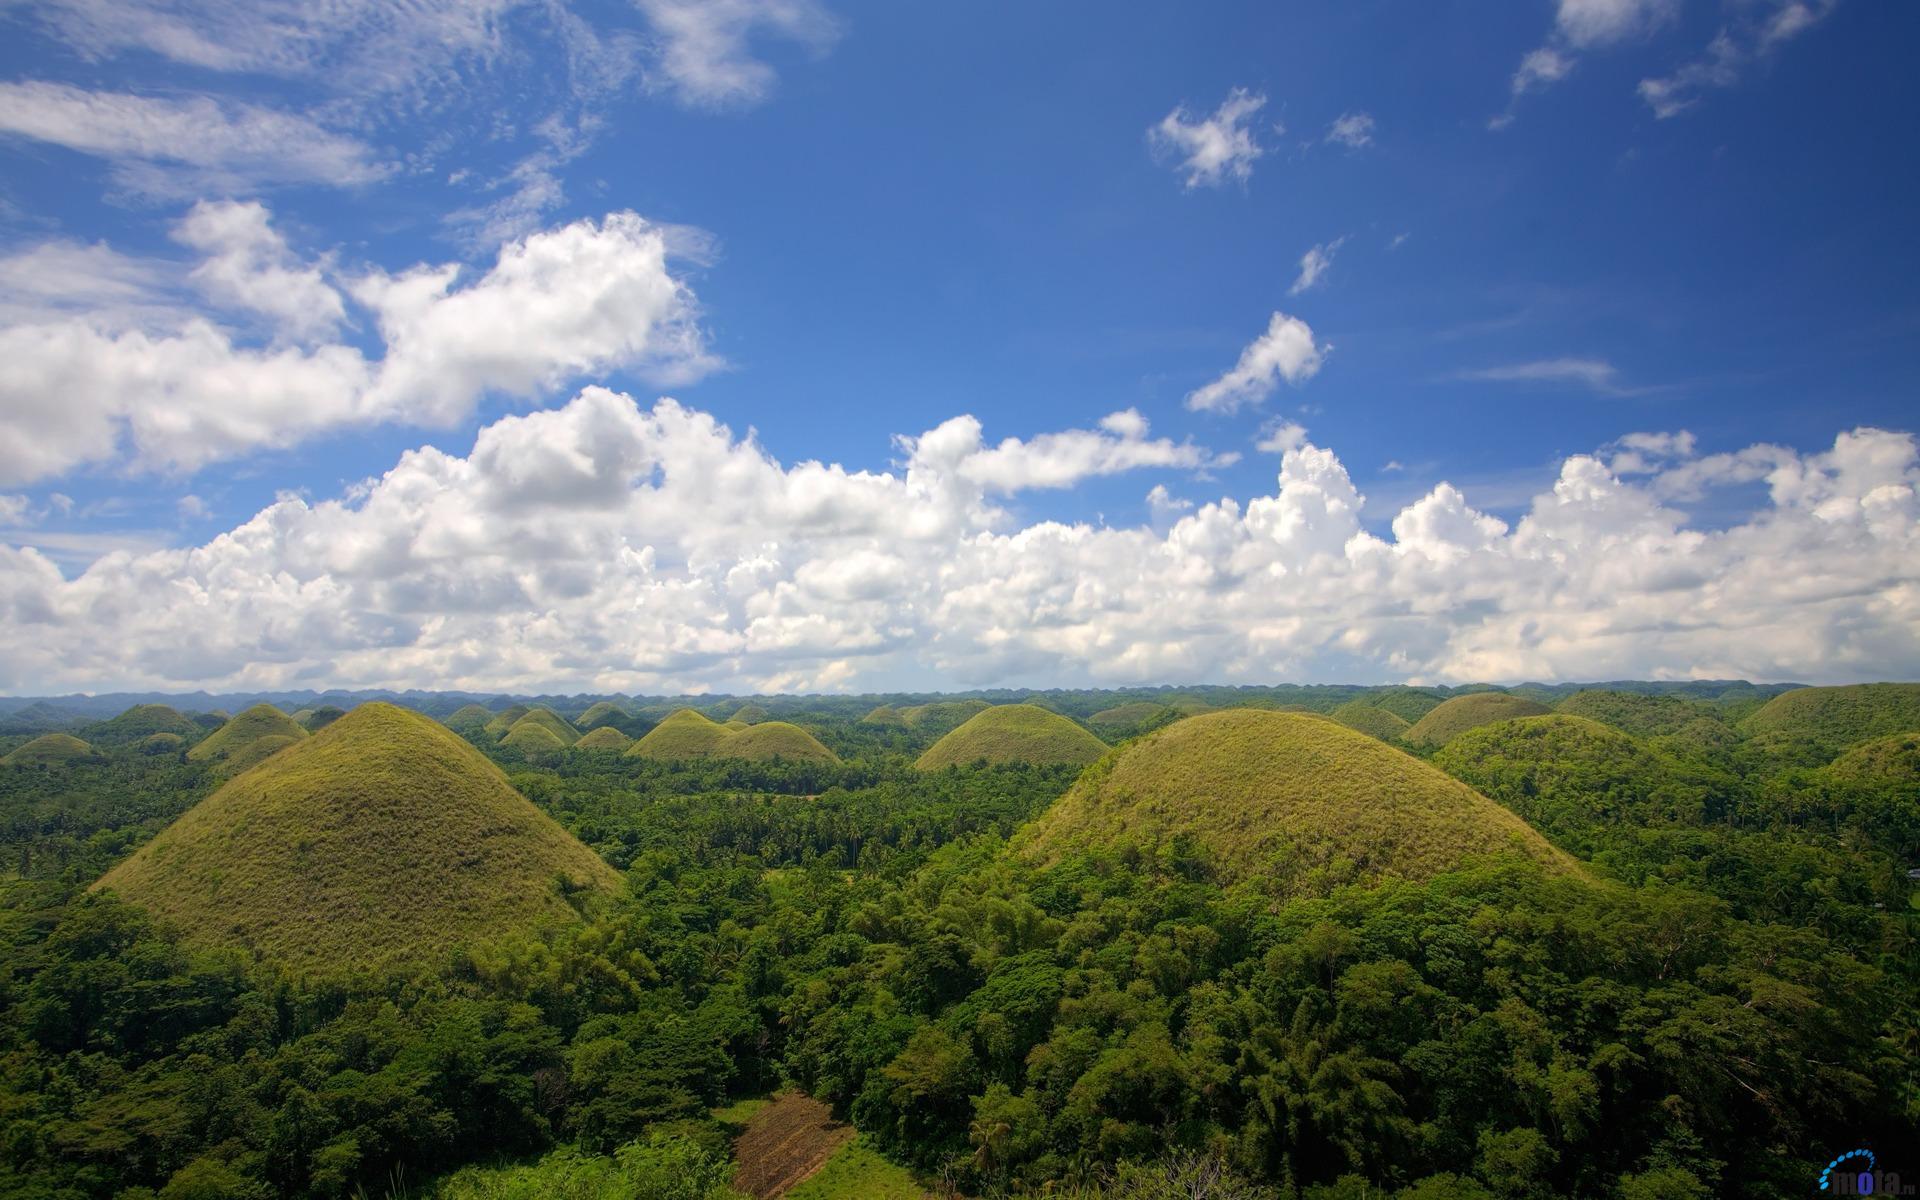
[[1893, 759], [1014, 733], [937, 718], [1451, 718], [1409, 704], [50, 750], [1264, 791], [604, 738], [505, 719], [1638, 713], [384, 838], [141, 722], [530, 736], [1372, 721], [1128, 717], [689, 734], [604, 714], [552, 722], [247, 738], [1835, 717], [319, 718], [469, 718]]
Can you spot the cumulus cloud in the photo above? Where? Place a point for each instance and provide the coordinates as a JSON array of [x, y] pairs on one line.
[[1286, 351], [609, 546], [176, 146], [1756, 32], [175, 388], [1353, 130], [704, 53], [1314, 265], [1211, 150]]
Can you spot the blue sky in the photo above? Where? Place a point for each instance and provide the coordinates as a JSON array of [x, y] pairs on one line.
[[1677, 215]]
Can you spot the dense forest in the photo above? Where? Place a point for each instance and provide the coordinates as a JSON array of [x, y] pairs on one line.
[[1706, 985]]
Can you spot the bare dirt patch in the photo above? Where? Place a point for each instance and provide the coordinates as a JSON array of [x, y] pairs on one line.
[[785, 1142]]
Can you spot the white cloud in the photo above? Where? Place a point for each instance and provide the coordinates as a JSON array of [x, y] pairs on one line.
[[1314, 265], [603, 545], [1211, 150], [170, 146], [1353, 130], [1057, 460], [91, 386], [1285, 351], [249, 266], [1280, 437], [1756, 32], [703, 53], [1595, 373], [1591, 24]]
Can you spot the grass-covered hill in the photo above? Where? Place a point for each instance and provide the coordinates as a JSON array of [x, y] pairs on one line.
[[161, 743], [530, 736], [552, 722], [689, 734], [140, 722], [469, 718], [1409, 704], [749, 714], [50, 750], [385, 838], [500, 722], [603, 739], [1450, 719], [1370, 720], [1834, 717], [1123, 718], [1565, 773], [884, 714], [1639, 713], [1893, 759], [603, 714], [319, 718], [1287, 793], [247, 738], [1010, 733]]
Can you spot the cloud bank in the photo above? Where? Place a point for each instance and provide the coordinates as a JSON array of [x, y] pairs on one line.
[[604, 545]]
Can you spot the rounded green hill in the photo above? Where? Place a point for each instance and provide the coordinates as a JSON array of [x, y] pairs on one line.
[[383, 839], [552, 722], [1374, 722], [1409, 704], [689, 734], [143, 721], [941, 716], [886, 714], [603, 739], [231, 748], [469, 718], [1640, 715], [1008, 733], [530, 736], [161, 743], [1893, 759], [750, 714], [1449, 720], [1262, 791], [1839, 716], [321, 717], [50, 750], [500, 722], [1131, 715], [602, 714]]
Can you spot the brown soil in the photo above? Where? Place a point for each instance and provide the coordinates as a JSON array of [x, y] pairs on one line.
[[785, 1142]]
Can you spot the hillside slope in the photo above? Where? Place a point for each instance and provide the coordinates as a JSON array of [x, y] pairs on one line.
[[384, 838], [1014, 733], [1839, 716], [1449, 720], [1265, 792]]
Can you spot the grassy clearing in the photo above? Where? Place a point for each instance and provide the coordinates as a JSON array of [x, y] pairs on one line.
[[784, 1142], [1447, 721], [1010, 733], [383, 839], [857, 1172], [1284, 794]]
